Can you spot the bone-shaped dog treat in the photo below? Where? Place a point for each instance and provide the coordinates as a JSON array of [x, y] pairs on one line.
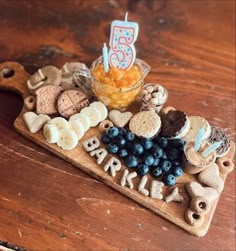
[[211, 177], [174, 196], [100, 154]]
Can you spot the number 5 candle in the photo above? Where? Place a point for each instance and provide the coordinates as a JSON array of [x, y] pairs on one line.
[[122, 52]]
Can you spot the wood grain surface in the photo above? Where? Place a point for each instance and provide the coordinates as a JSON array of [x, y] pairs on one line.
[[47, 204]]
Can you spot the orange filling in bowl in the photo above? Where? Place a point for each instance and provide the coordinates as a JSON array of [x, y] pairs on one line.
[[110, 87]]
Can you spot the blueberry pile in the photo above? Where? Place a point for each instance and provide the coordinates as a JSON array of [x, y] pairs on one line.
[[159, 156]]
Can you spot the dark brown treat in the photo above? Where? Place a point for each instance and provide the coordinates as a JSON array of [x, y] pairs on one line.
[[172, 123], [71, 102], [46, 99], [217, 135]]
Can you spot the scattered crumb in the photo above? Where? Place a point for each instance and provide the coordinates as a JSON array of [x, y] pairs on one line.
[[62, 235], [164, 228], [140, 226], [77, 233], [20, 234], [108, 211]]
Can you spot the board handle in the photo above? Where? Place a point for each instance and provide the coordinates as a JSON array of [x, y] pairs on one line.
[[14, 77]]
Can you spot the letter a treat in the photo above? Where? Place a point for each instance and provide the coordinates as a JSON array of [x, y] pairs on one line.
[[111, 124]]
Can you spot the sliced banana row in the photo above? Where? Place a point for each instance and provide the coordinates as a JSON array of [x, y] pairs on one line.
[[67, 133]]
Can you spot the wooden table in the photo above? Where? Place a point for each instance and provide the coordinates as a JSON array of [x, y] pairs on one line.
[[46, 203]]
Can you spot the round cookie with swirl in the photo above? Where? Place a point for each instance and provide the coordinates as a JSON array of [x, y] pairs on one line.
[[174, 124], [217, 135]]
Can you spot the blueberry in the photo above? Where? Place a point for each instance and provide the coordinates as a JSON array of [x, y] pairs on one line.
[[149, 160], [113, 132], [130, 136], [157, 151], [156, 162], [164, 156], [173, 154], [169, 180], [131, 161], [122, 131], [123, 153], [177, 143], [142, 169], [165, 165], [137, 149], [147, 143], [105, 138], [120, 141], [175, 163], [156, 172], [162, 142], [177, 171], [112, 148]]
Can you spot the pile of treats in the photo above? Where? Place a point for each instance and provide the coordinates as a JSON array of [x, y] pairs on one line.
[[156, 146]]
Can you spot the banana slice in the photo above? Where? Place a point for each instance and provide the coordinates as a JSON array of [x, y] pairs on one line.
[[93, 114], [77, 127], [102, 109], [60, 123], [83, 119], [50, 133], [67, 139]]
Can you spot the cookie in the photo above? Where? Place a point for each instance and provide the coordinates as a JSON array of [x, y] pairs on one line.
[[211, 177], [196, 189], [217, 135], [48, 75], [175, 124], [193, 219], [35, 122], [145, 124], [196, 123], [120, 119], [29, 102], [71, 102], [105, 125], [46, 99], [174, 196], [225, 164], [67, 70]]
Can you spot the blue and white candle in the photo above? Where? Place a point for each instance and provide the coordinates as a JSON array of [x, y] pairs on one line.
[[105, 58], [199, 139], [211, 149]]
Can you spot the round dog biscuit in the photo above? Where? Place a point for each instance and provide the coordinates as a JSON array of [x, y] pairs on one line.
[[145, 124], [71, 102]]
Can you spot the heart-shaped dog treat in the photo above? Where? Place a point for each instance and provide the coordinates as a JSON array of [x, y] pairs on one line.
[[211, 177], [35, 122], [120, 119], [196, 189]]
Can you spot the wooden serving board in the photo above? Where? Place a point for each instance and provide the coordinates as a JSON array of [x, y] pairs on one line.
[[13, 77]]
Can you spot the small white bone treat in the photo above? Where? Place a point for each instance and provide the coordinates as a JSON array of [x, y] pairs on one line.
[[91, 144], [174, 196], [156, 189], [114, 165], [141, 187], [127, 179], [100, 154], [35, 122]]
